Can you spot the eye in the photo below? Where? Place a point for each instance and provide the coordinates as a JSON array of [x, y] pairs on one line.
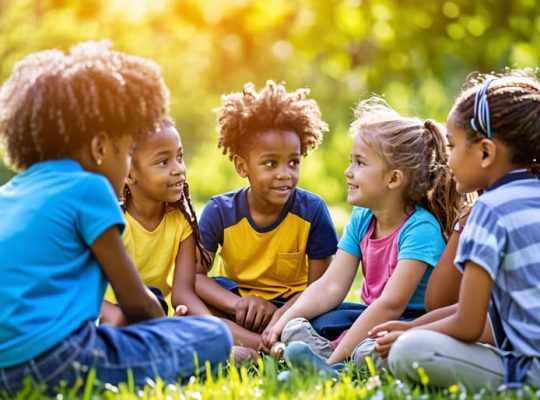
[[294, 163], [163, 162], [269, 163], [180, 158]]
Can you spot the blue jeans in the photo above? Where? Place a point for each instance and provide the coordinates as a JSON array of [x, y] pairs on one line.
[[333, 323], [162, 347]]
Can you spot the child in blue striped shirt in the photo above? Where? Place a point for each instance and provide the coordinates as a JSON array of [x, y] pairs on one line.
[[494, 139]]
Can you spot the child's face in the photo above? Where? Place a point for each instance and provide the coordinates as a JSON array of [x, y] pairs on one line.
[[366, 176], [464, 160], [116, 161], [158, 171], [272, 166]]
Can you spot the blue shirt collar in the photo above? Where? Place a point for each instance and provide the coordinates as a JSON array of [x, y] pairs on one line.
[[515, 175]]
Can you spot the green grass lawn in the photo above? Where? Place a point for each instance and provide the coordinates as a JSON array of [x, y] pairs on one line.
[[260, 381]]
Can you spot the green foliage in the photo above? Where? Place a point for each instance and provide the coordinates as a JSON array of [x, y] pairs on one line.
[[415, 53]]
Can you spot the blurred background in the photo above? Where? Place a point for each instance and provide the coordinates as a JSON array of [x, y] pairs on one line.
[[414, 53]]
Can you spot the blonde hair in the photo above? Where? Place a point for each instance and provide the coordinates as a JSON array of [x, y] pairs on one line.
[[242, 115], [418, 149], [54, 102]]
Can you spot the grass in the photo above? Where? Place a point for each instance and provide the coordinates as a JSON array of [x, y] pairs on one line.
[[259, 381]]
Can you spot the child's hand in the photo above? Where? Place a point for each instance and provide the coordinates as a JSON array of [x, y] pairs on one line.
[[389, 327], [385, 341], [269, 336], [254, 312], [181, 310]]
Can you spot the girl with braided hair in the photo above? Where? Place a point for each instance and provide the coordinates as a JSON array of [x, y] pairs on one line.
[[494, 138], [161, 232], [68, 123], [405, 203]]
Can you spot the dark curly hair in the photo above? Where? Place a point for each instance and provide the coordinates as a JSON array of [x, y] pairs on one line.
[[54, 102], [242, 115], [514, 112]]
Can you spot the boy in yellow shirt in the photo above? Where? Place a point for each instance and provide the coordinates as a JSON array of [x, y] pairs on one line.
[[272, 237]]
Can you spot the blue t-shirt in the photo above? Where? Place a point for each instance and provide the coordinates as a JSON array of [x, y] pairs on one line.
[[420, 238], [51, 282], [502, 236]]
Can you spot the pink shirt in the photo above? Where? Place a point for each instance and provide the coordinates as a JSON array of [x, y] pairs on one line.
[[379, 259]]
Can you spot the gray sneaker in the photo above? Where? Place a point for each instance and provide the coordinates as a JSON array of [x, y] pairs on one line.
[[366, 348], [299, 329]]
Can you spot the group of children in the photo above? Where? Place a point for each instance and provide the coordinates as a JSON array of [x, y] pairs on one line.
[[89, 128]]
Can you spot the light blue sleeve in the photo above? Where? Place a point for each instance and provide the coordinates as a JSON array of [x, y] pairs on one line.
[[421, 238], [98, 209], [355, 230]]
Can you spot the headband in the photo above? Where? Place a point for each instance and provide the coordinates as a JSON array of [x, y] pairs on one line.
[[480, 121]]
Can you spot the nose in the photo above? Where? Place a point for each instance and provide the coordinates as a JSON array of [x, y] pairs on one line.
[[178, 168], [283, 174], [348, 173]]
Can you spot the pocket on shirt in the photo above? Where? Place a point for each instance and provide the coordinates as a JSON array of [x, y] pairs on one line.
[[289, 266]]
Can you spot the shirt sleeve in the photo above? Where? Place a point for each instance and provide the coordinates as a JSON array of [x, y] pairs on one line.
[[355, 230], [98, 209], [211, 227], [482, 241], [322, 241], [421, 239]]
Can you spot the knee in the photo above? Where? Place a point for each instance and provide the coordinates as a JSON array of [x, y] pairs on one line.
[[411, 350]]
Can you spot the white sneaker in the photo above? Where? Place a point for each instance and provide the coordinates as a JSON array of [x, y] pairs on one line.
[[299, 329]]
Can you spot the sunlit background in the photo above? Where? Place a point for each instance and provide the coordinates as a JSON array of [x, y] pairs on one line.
[[416, 53]]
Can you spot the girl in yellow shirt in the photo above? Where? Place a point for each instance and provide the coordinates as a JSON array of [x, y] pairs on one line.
[[161, 233]]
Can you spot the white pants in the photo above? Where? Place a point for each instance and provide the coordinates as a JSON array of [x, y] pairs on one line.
[[447, 361]]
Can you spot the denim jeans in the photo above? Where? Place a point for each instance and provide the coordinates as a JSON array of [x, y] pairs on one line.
[[333, 323], [162, 347]]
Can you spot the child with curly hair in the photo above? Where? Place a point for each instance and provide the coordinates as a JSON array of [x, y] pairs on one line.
[[273, 238], [68, 123]]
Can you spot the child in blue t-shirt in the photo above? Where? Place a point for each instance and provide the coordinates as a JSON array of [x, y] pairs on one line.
[[68, 124], [402, 192], [494, 137]]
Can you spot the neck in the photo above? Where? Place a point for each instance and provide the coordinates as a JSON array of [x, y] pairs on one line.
[[147, 212], [388, 218], [262, 213]]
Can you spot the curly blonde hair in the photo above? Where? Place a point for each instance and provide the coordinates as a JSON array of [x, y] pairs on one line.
[[54, 102], [242, 115]]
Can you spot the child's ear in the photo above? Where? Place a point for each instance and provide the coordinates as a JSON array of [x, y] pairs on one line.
[[241, 165], [98, 146], [395, 178], [489, 151]]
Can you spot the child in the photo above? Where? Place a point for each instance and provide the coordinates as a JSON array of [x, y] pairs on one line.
[[161, 227], [274, 238], [494, 135], [399, 184], [68, 122]]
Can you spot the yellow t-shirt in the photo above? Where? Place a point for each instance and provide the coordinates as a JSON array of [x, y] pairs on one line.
[[154, 252]]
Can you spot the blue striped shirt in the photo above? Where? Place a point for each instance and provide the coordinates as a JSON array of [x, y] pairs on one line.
[[502, 236]]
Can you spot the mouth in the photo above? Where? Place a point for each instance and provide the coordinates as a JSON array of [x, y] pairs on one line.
[[282, 189], [350, 186], [177, 185]]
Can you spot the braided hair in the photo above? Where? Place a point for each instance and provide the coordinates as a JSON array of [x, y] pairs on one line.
[[53, 103], [184, 204], [514, 114]]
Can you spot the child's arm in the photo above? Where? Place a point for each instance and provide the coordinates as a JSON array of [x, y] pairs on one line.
[[389, 306], [135, 300], [321, 296], [443, 285], [183, 288]]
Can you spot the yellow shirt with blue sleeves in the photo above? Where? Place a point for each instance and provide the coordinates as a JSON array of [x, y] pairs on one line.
[[270, 261], [154, 252]]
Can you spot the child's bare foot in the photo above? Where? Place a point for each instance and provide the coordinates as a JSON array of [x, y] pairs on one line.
[[244, 355]]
